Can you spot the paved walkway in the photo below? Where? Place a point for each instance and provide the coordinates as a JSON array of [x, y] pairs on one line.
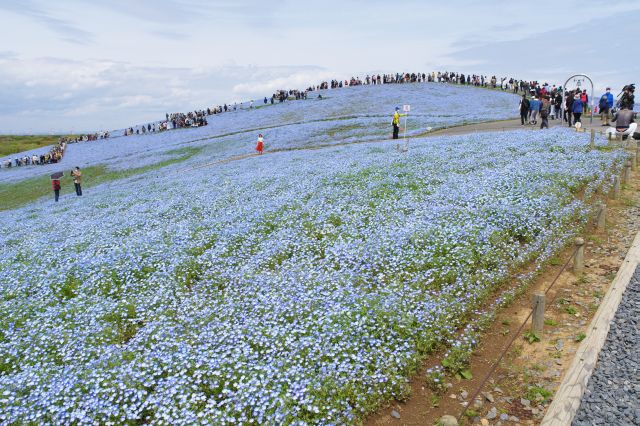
[[514, 124], [612, 396], [490, 126]]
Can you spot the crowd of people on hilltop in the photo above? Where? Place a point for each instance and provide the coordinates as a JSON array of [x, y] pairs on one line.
[[175, 120], [87, 138], [54, 155], [198, 118], [539, 101]]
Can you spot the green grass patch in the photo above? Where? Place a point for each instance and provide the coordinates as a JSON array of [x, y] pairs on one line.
[[10, 144], [535, 393], [18, 194]]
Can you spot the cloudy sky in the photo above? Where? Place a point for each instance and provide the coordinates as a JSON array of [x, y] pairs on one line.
[[72, 65]]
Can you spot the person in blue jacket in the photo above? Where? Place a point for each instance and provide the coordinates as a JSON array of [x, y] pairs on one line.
[[534, 107], [577, 108], [605, 105], [609, 97]]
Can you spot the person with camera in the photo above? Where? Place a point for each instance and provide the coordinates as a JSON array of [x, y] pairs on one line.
[[627, 99], [76, 174]]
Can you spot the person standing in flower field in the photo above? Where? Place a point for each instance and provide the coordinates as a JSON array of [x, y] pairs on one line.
[[77, 180], [260, 144], [55, 184], [396, 122]]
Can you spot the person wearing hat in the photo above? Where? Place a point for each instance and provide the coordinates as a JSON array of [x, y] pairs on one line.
[[396, 122], [77, 180]]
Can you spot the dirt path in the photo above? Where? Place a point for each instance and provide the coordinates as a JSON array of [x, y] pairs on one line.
[[489, 126]]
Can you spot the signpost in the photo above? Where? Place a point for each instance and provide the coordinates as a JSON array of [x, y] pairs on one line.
[[406, 109]]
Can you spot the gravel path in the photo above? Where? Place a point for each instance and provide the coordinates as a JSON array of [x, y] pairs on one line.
[[613, 394]]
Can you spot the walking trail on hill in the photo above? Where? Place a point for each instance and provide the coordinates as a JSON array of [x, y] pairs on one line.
[[489, 126]]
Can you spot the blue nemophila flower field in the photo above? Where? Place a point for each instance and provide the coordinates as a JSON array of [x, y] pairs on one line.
[[343, 115], [298, 287]]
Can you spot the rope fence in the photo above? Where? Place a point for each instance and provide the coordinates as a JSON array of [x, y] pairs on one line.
[[537, 312], [517, 334]]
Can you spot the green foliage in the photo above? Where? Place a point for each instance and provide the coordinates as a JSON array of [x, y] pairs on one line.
[[550, 322], [123, 323], [580, 337], [457, 362], [595, 239], [70, 287], [531, 337], [189, 273], [536, 392], [570, 310], [471, 413], [436, 380]]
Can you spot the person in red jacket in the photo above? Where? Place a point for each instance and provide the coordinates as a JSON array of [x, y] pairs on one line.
[[55, 183]]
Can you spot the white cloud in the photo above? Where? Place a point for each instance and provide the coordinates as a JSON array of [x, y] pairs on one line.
[[300, 80], [119, 62]]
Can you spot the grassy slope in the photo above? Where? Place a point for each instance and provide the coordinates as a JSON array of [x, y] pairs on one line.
[[13, 144], [14, 195]]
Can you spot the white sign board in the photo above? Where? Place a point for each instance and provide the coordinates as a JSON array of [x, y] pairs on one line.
[[406, 108]]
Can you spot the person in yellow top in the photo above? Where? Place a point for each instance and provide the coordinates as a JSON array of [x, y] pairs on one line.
[[77, 180], [396, 122]]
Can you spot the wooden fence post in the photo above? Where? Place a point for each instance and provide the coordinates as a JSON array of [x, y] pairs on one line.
[[592, 141], [537, 321], [616, 187], [602, 217], [578, 259], [626, 177]]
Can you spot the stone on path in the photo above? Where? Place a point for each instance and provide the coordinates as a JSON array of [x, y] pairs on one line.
[[448, 420], [492, 414], [395, 414], [488, 396]]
